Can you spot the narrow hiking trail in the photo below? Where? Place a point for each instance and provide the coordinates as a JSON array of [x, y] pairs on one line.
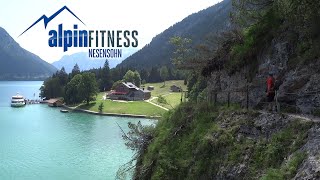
[[296, 116], [149, 101], [156, 97], [304, 117]]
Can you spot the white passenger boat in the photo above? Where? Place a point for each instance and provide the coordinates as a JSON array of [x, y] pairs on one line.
[[18, 101]]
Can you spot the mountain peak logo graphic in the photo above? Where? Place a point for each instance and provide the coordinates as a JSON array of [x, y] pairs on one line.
[[46, 19]]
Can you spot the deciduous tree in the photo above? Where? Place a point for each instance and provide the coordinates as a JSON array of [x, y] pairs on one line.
[[164, 74], [88, 87], [72, 94]]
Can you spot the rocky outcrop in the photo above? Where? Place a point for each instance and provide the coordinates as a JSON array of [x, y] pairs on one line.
[[301, 88], [310, 168], [256, 127]]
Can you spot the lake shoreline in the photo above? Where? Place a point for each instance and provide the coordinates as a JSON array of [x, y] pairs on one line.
[[109, 114], [37, 141]]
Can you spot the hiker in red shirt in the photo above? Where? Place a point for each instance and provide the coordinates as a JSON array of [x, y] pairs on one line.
[[270, 90]]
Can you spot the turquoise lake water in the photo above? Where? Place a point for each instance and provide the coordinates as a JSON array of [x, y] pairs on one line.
[[39, 142]]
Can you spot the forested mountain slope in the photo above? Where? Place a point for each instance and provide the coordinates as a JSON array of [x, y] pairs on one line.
[[196, 27]]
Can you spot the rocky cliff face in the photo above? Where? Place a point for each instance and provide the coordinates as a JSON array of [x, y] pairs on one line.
[[310, 168], [299, 87], [267, 126]]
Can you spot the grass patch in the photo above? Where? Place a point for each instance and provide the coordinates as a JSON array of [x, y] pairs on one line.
[[100, 95], [159, 89], [316, 112], [289, 109], [140, 107], [172, 100], [271, 154], [133, 107], [162, 100], [288, 170], [177, 137]]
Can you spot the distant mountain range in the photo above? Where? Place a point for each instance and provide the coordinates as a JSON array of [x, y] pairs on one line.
[[17, 63], [86, 63], [196, 27]]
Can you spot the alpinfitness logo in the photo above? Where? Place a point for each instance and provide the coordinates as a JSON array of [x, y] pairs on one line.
[[114, 40]]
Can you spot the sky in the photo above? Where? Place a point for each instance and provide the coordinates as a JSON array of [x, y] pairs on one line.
[[148, 17]]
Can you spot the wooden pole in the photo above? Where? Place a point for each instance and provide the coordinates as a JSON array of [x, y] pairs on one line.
[[228, 99], [277, 103], [215, 98], [247, 97], [181, 94], [185, 96]]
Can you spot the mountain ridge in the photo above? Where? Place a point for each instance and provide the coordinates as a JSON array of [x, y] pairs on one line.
[[16, 63], [86, 63]]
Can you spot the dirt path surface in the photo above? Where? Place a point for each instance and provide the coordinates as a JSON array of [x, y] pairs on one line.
[[297, 116]]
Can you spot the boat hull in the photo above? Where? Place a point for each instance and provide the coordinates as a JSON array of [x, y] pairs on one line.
[[64, 111], [18, 105], [18, 101]]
